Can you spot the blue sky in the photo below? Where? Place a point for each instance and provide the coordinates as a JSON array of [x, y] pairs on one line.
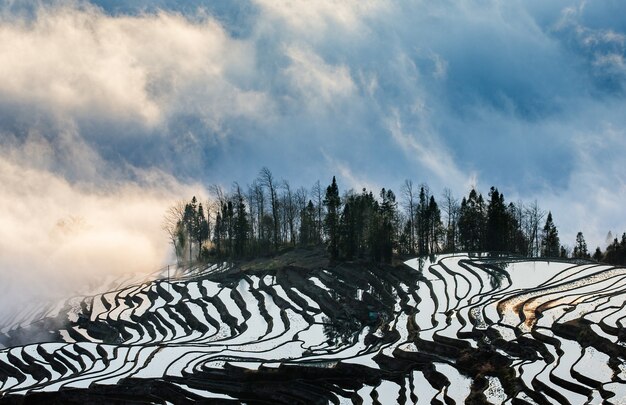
[[166, 97]]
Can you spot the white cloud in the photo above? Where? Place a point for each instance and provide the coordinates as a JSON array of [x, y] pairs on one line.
[[57, 236], [612, 61], [592, 200], [430, 154], [78, 62], [311, 18], [319, 83], [390, 89], [346, 175], [604, 48]]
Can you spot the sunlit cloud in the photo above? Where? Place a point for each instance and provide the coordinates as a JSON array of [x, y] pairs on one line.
[[318, 82], [102, 102], [75, 61], [312, 18], [57, 237]]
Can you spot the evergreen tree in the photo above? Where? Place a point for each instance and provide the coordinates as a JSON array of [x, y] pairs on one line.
[[387, 231], [241, 226], [374, 243], [267, 225], [202, 230], [550, 245], [616, 252], [423, 222], [181, 241], [516, 241], [405, 246], [347, 234], [331, 222], [308, 229], [597, 256], [497, 231], [190, 221], [218, 234], [435, 226], [580, 250], [472, 222], [360, 225]]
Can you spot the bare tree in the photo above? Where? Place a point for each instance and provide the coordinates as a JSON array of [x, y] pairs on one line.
[[253, 208], [533, 215], [256, 191], [173, 226], [266, 179], [409, 202], [282, 215], [241, 225], [218, 193], [318, 196], [451, 208], [301, 198], [290, 208]]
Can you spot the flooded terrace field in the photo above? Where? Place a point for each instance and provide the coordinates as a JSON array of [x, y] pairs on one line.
[[453, 329]]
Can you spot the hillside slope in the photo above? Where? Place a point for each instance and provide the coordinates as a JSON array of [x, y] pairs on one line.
[[455, 329]]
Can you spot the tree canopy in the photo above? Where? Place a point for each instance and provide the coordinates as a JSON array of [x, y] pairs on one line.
[[271, 215]]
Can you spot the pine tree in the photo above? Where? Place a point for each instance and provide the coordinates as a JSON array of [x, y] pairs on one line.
[[190, 221], [218, 234], [374, 225], [580, 250], [347, 234], [436, 227], [472, 222], [387, 233], [616, 252], [550, 245], [423, 221], [360, 225], [597, 256], [308, 232], [331, 222], [241, 227], [202, 230], [497, 223]]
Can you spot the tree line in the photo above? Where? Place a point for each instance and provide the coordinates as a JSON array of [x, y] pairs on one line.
[[270, 215]]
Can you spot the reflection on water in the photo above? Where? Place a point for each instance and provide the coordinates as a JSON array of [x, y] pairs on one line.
[[341, 332], [434, 331]]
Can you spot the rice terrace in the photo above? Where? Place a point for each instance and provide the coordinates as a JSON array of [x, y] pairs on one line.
[[303, 202], [449, 329]]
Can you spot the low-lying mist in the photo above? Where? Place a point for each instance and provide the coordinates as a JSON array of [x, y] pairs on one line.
[[57, 237]]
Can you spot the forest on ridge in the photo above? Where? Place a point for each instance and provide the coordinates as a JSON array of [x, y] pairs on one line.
[[271, 215]]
